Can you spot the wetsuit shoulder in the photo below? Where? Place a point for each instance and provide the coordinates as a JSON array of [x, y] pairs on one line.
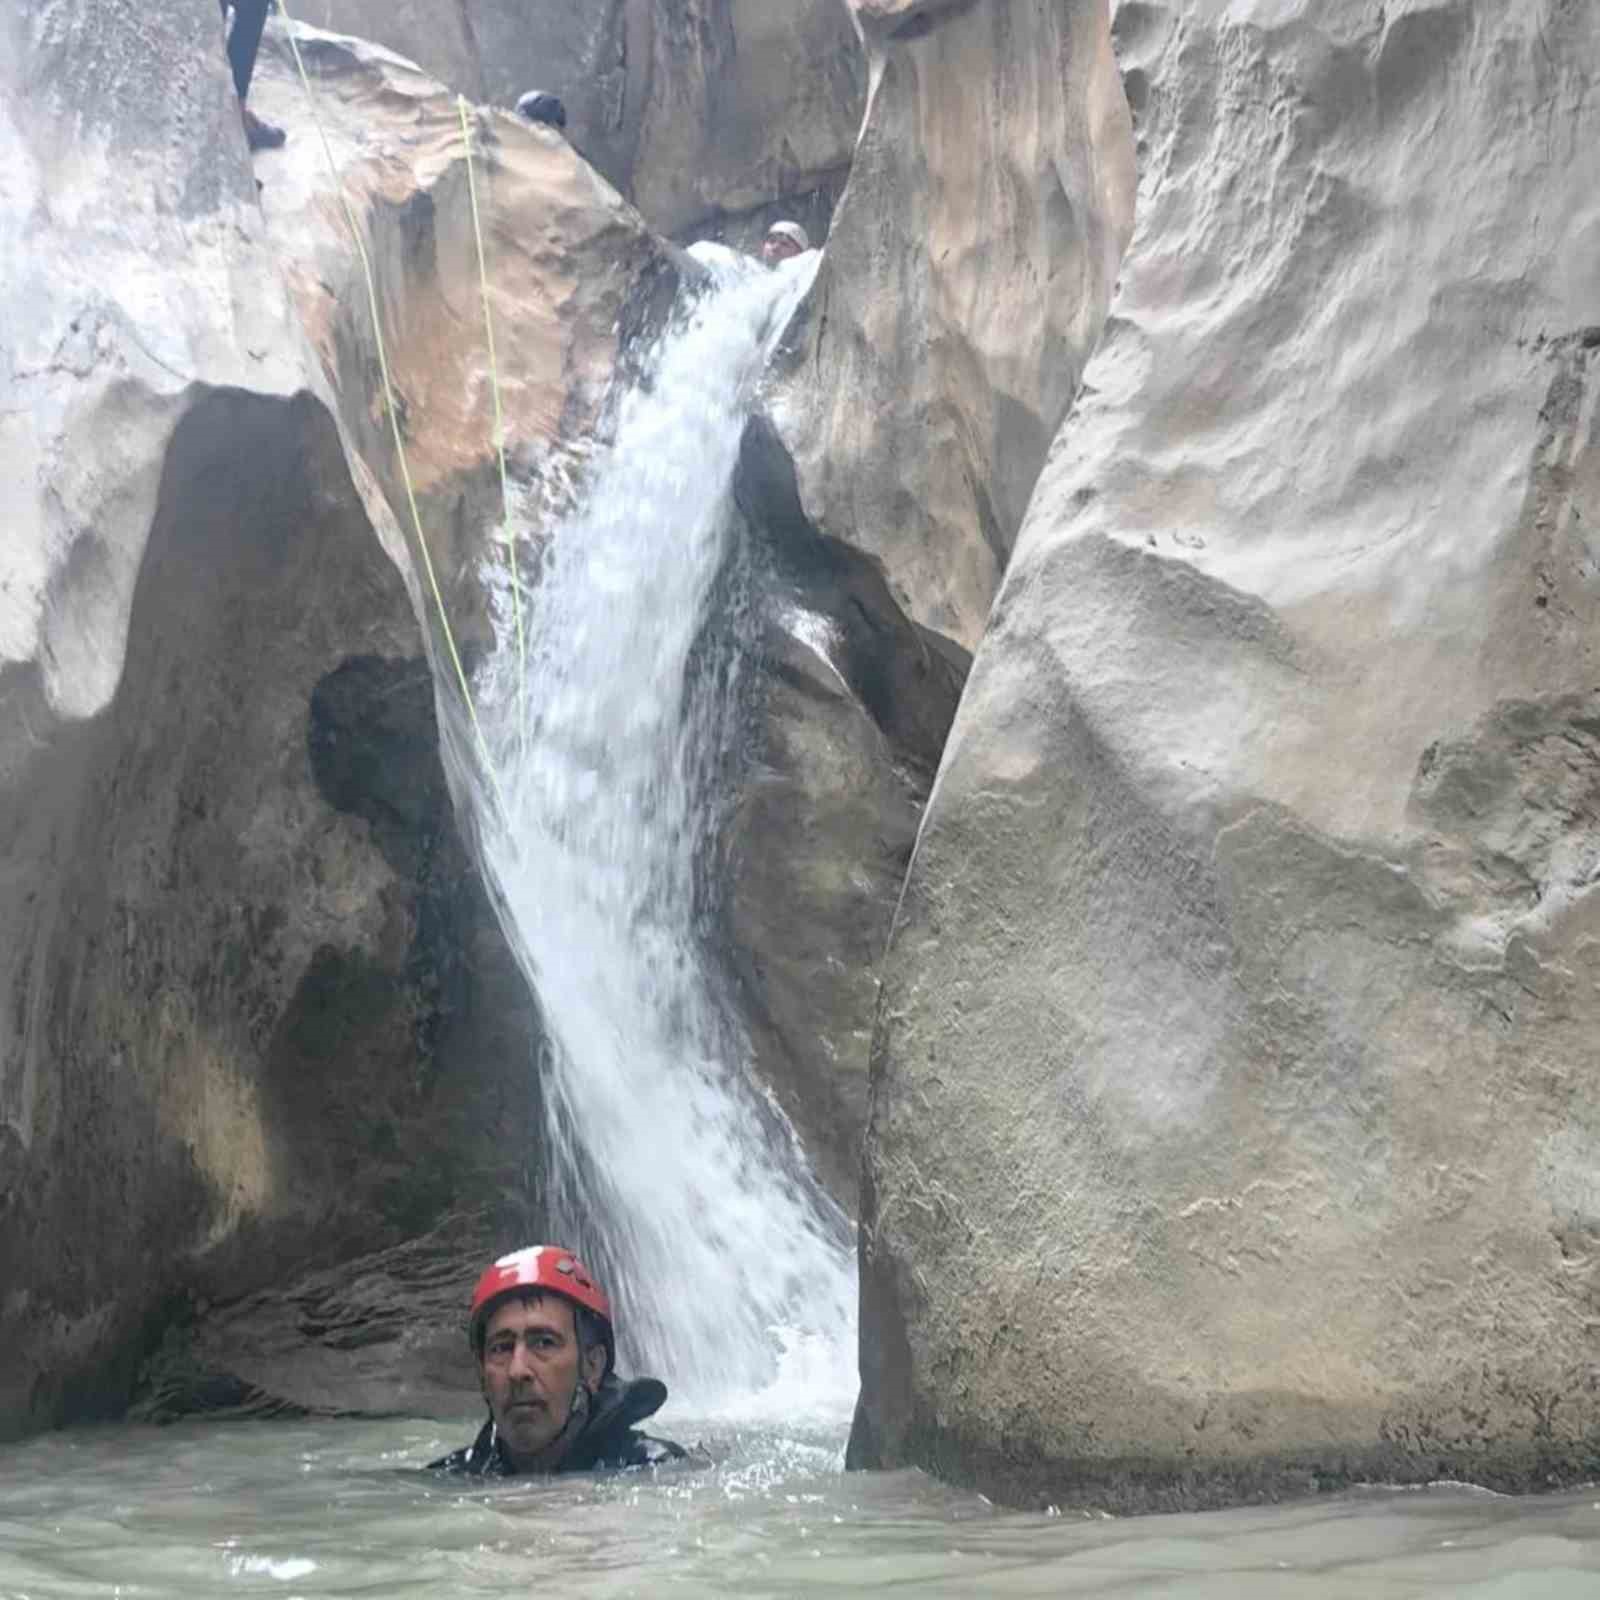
[[635, 1449], [479, 1459], [612, 1441]]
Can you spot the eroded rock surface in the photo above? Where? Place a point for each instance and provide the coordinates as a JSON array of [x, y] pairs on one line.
[[379, 1334], [258, 1018], [967, 276], [272, 1020], [1236, 1113], [267, 1093], [703, 113], [849, 704], [103, 346], [575, 282], [846, 716]]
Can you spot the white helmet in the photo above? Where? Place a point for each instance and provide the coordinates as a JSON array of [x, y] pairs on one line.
[[791, 231]]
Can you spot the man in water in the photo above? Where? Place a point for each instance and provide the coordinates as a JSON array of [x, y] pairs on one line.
[[540, 1328], [784, 239], [244, 41]]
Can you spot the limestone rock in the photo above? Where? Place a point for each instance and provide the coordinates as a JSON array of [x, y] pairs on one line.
[[701, 113], [847, 714], [849, 703], [381, 1334], [266, 1065], [1236, 1116], [443, 39], [575, 282], [270, 1018], [104, 361], [967, 275], [256, 1015]]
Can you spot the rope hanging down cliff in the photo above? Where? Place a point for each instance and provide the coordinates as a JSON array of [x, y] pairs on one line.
[[506, 529], [390, 406]]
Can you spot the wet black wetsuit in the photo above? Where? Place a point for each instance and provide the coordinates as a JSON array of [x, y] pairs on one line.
[[249, 18], [609, 1439]]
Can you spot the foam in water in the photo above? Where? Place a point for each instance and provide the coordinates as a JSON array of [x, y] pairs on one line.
[[734, 1275]]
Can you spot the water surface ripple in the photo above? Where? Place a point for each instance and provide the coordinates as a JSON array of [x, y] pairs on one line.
[[316, 1509]]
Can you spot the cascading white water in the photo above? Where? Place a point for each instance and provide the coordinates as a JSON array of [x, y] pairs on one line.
[[734, 1275]]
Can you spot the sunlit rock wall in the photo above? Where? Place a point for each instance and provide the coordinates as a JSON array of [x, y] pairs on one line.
[[1236, 1108], [966, 280], [575, 282]]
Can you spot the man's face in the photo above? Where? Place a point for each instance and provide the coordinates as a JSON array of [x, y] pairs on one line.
[[778, 247], [531, 1367]]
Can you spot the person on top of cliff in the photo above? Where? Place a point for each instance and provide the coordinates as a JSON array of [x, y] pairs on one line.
[[546, 110], [784, 239], [540, 1328], [542, 107], [244, 41]]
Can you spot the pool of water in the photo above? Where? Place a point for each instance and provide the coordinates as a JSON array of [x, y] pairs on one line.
[[330, 1508]]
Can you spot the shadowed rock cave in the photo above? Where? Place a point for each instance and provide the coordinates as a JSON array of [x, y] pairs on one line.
[[266, 904]]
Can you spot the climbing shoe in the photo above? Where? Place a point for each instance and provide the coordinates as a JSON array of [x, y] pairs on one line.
[[261, 135]]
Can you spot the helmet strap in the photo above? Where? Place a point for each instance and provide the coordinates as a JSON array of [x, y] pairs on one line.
[[577, 1417]]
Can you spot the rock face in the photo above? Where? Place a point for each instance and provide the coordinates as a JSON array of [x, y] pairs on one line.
[[704, 113], [849, 705], [966, 280], [266, 1086], [1236, 1116], [575, 280], [846, 717], [256, 1018]]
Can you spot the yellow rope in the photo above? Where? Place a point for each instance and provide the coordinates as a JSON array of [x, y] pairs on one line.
[[499, 423], [389, 400]]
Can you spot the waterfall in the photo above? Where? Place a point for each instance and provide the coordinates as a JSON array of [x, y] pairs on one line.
[[733, 1274]]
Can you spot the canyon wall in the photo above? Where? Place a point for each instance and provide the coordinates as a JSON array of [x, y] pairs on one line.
[[268, 1079], [712, 116], [966, 280], [1234, 1119], [257, 1017]]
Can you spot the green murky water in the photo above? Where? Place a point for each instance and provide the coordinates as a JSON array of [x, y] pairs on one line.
[[339, 1509]]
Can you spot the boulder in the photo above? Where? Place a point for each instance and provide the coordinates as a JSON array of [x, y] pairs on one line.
[[378, 1335], [267, 1087], [257, 1017], [842, 728], [577, 284], [709, 116], [967, 276], [1235, 1109], [104, 363]]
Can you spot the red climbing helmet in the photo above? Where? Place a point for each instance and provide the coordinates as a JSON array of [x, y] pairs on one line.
[[549, 1268]]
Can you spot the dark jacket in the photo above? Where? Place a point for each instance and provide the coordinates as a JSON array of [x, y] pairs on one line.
[[609, 1439]]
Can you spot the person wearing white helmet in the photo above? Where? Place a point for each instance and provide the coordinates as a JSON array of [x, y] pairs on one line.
[[784, 239], [542, 107]]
